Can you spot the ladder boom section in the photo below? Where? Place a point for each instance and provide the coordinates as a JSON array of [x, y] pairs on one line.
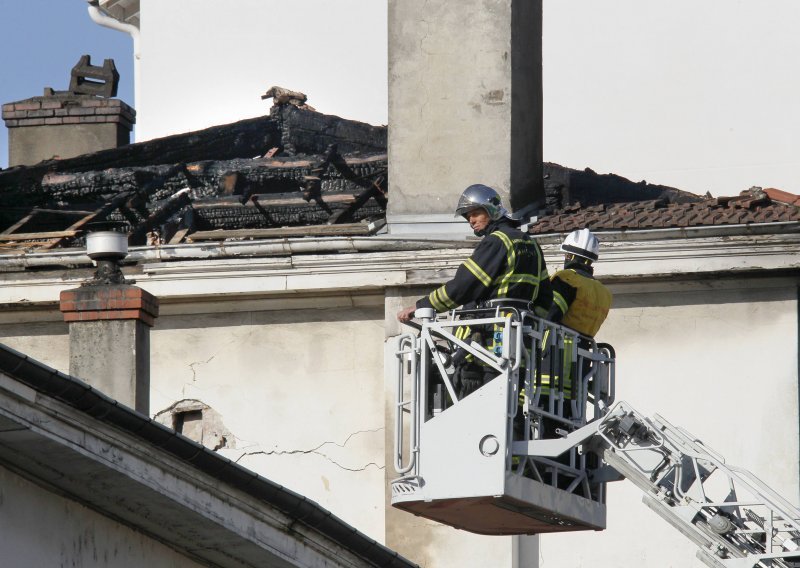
[[735, 519]]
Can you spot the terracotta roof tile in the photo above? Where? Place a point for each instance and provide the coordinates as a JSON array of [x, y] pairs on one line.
[[752, 206], [782, 196]]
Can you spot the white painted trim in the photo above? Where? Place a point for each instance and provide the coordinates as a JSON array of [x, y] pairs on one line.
[[254, 276]]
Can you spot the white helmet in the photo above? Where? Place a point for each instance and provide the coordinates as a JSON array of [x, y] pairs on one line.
[[582, 243], [481, 196]]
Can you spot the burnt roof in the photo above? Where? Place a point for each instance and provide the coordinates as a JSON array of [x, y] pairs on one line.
[[293, 168], [298, 172]]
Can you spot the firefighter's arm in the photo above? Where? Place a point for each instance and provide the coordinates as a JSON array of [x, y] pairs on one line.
[[473, 278], [406, 314], [563, 296]]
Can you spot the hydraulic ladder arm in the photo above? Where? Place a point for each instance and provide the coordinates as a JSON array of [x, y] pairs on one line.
[[734, 518]]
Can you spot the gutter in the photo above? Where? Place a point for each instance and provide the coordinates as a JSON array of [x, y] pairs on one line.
[[742, 229], [101, 18], [92, 402], [377, 243], [272, 247]]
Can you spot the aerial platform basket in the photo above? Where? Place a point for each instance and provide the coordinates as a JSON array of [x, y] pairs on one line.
[[465, 457]]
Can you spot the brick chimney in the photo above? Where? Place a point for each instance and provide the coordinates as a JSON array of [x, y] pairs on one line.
[[65, 124], [109, 340], [109, 326]]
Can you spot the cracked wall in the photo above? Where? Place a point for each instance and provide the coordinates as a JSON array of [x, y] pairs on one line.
[[300, 393]]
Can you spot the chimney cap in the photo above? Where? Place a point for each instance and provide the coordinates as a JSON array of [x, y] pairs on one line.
[[106, 245]]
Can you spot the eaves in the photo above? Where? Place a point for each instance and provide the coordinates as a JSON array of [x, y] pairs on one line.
[[263, 269], [125, 11]]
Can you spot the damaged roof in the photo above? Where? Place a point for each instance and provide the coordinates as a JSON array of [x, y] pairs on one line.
[[293, 168], [298, 172]]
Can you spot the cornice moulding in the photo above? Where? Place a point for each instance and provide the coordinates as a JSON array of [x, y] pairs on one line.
[[219, 274]]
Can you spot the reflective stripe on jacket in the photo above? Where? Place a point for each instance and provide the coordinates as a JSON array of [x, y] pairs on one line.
[[562, 363]]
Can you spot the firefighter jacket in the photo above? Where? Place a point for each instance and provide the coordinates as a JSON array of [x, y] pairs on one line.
[[579, 301], [507, 263]]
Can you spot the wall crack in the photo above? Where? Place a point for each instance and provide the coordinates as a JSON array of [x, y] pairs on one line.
[[317, 450]]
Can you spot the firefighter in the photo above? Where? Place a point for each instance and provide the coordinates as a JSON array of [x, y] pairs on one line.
[[506, 264], [579, 302]]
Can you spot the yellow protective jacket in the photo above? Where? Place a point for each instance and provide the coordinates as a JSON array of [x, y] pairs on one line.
[[582, 301], [579, 302]]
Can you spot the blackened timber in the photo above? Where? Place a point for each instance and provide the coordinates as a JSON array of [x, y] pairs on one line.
[[566, 186], [255, 193], [43, 220], [209, 216], [350, 229], [377, 192], [100, 215], [243, 139], [159, 216], [271, 200], [209, 178], [306, 131]]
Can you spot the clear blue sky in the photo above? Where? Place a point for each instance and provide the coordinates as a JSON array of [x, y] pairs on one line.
[[40, 42]]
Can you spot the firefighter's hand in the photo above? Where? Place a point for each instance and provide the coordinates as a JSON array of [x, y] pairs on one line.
[[406, 314]]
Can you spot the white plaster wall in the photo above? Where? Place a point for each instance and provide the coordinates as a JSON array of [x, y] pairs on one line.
[[47, 342], [207, 62], [697, 94], [39, 528], [721, 364], [300, 390]]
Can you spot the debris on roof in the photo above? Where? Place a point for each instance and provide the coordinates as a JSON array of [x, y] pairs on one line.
[[293, 168], [298, 172], [782, 196], [565, 186], [282, 96]]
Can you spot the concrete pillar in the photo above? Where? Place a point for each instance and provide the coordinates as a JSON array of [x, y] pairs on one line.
[[465, 106], [65, 125], [109, 340]]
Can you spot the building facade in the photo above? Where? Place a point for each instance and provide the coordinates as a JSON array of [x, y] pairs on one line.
[[284, 356]]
